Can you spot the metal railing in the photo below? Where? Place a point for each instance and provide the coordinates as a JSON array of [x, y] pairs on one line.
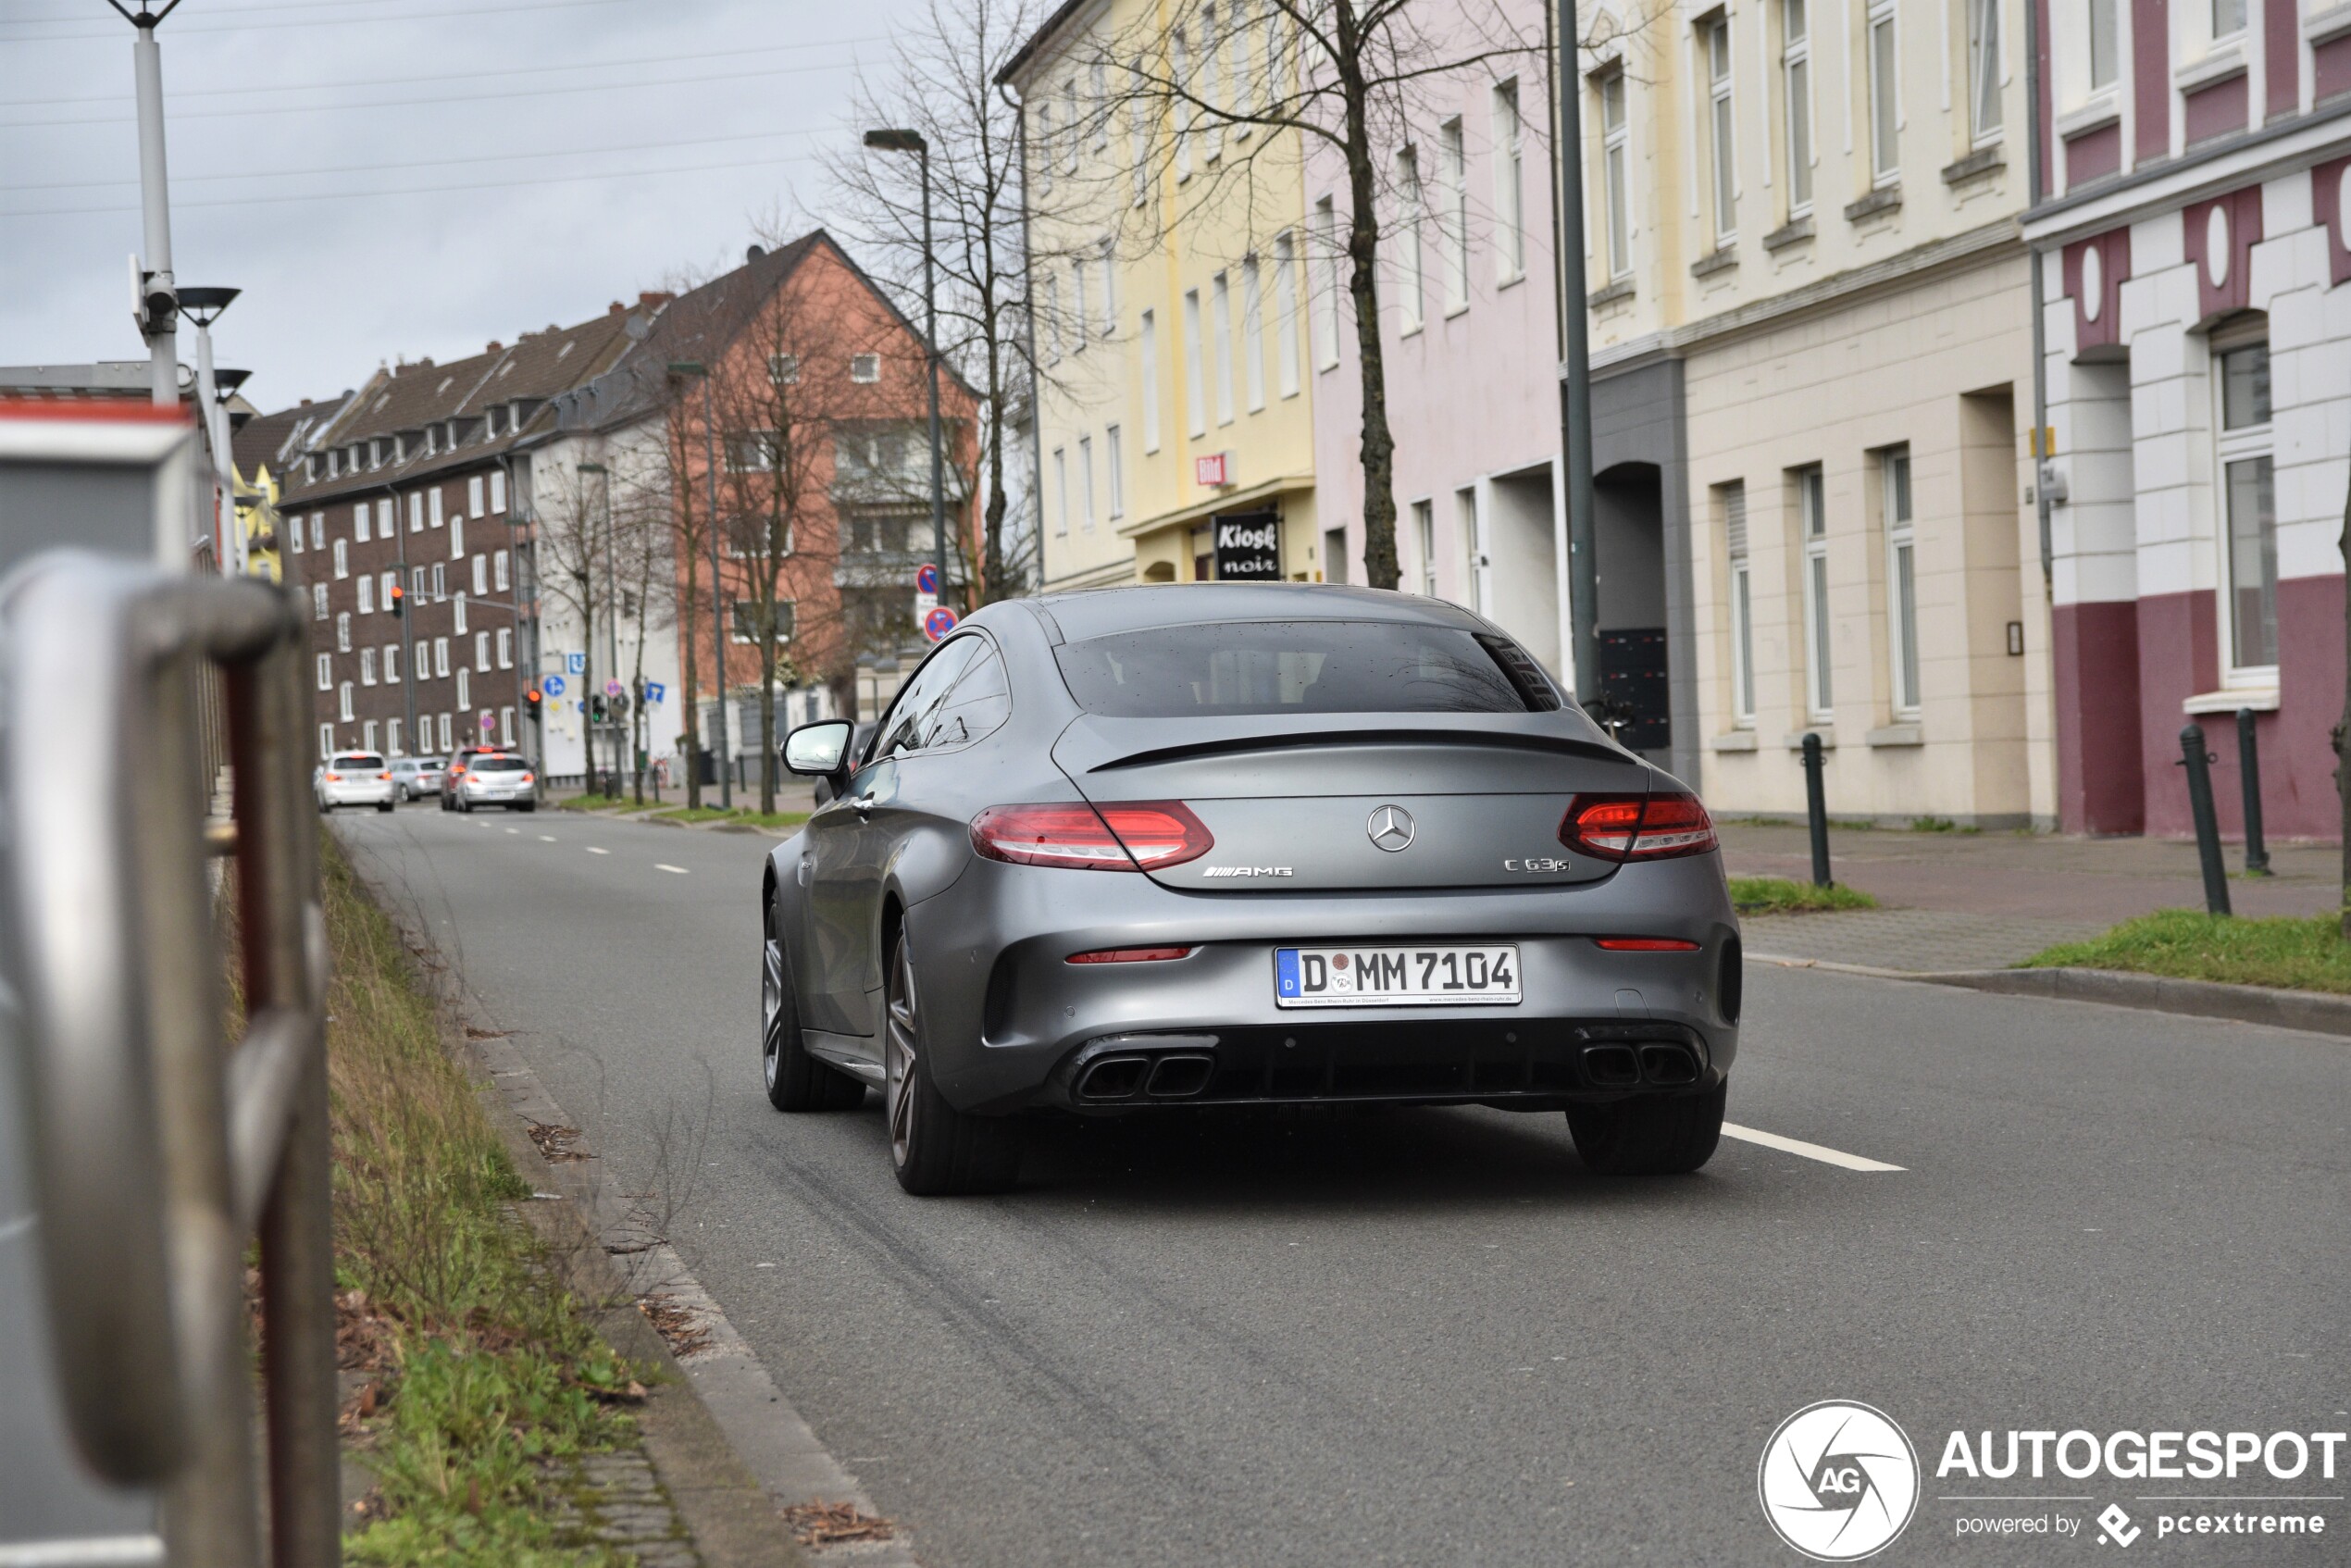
[[160, 1149]]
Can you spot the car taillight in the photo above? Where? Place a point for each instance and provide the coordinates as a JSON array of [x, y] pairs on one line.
[[1129, 955], [1122, 835], [1622, 827], [383, 775], [1644, 944], [524, 780], [334, 778]]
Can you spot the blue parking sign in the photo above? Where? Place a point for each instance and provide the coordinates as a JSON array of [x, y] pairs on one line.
[[575, 663], [654, 691]]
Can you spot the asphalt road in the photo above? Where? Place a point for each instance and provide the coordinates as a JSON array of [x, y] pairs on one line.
[[1429, 1336]]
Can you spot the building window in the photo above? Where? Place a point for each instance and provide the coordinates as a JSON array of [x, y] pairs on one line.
[[1885, 95], [317, 530], [416, 511], [474, 496], [1195, 394], [390, 581], [441, 656], [1616, 175], [343, 559], [359, 523], [366, 586], [2101, 29], [432, 507], [506, 647], [1086, 479], [458, 615], [424, 660], [342, 701], [1115, 472], [317, 601], [1148, 328], [1424, 538], [2249, 607], [444, 732], [1108, 261], [326, 672], [2228, 16], [481, 575], [505, 726], [465, 691], [1061, 491], [1080, 323], [366, 666], [1509, 202], [481, 651], [1796, 90], [1138, 137], [1286, 312], [343, 632], [751, 453], [748, 615], [326, 741], [1044, 152], [1326, 235], [498, 489], [1220, 318], [1053, 319], [1984, 69], [1252, 334], [418, 588], [864, 368], [391, 664], [1409, 211], [391, 736], [294, 535], [457, 535], [783, 370], [1901, 578], [499, 575], [1732, 499], [1812, 534], [1722, 148], [1452, 223], [367, 734]]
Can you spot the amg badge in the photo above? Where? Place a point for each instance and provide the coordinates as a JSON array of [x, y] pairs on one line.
[[1246, 871]]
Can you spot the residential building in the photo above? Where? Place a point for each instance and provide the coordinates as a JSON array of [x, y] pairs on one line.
[[1813, 373], [1167, 262], [2195, 237]]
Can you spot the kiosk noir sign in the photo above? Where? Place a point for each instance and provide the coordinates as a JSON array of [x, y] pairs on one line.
[[1248, 548]]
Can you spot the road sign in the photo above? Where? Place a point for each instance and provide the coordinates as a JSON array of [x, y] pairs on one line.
[[655, 691], [486, 722], [927, 579], [924, 605], [938, 623], [575, 663], [553, 686], [614, 688]]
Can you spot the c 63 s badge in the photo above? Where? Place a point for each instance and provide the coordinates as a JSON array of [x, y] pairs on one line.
[[1538, 864]]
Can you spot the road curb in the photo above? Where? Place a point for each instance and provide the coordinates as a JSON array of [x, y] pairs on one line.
[[2314, 1010]]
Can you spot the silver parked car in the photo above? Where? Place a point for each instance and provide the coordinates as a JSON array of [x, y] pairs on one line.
[[497, 779], [417, 776], [353, 778], [1239, 845]]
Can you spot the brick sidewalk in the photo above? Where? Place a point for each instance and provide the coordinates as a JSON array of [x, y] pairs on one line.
[[1983, 901]]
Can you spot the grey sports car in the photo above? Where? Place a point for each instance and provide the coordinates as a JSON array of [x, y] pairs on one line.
[[1250, 844]]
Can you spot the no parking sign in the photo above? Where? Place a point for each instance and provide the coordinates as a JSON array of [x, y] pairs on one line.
[[938, 623]]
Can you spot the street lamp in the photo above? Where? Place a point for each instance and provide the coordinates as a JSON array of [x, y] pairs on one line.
[[203, 306], [912, 141], [717, 617]]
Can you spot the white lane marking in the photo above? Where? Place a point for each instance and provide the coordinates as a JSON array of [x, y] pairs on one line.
[[1809, 1150], [680, 869], [546, 838], [515, 830], [593, 850]]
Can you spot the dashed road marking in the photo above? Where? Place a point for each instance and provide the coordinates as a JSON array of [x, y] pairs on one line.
[[546, 838], [593, 850], [1826, 1155], [678, 869]]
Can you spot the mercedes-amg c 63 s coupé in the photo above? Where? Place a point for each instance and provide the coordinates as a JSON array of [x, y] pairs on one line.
[[1121, 851]]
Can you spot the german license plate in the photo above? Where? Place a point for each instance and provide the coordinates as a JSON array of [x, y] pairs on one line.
[[1395, 977]]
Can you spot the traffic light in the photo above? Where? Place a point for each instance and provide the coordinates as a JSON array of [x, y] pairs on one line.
[[399, 605], [596, 707], [535, 705]]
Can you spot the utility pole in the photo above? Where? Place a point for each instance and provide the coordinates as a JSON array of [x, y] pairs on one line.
[[157, 301], [1575, 393], [204, 307]]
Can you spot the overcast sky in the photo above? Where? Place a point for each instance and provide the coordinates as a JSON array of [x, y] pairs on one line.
[[389, 178]]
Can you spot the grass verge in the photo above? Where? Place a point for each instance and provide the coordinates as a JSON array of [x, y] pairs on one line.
[[1782, 895], [589, 803], [740, 814], [2188, 944], [479, 1367]]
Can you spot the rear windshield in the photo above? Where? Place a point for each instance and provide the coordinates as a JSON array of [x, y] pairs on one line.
[[1302, 668], [358, 762], [497, 764]]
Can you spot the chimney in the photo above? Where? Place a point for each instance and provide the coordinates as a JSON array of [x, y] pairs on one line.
[[754, 253], [495, 347], [615, 308], [306, 403], [650, 300]]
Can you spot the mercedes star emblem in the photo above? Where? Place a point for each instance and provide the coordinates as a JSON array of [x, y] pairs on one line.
[[1391, 828]]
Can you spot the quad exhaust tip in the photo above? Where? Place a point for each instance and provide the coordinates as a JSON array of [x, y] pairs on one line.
[[1658, 1063], [1174, 1074]]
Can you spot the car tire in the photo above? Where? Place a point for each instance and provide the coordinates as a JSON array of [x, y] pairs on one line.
[[935, 1150], [1649, 1133], [527, 805], [796, 1081], [383, 806]]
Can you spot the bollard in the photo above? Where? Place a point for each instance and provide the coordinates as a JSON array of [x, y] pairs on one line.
[[2256, 852], [1816, 809], [2197, 761]]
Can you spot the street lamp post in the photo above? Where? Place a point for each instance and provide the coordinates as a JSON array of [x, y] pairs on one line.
[[157, 303], [912, 142], [717, 613], [203, 306]]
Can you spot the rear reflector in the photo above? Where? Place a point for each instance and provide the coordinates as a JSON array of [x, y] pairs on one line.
[[1644, 944], [1622, 827], [1129, 955], [1120, 836]]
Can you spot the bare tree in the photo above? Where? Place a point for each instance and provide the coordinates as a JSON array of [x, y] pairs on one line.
[[574, 541], [641, 538], [939, 82]]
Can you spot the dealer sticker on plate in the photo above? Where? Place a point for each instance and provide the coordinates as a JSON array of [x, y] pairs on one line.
[[1395, 977]]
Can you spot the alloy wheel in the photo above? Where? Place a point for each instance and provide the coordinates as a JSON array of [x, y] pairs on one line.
[[899, 1049], [771, 1003]]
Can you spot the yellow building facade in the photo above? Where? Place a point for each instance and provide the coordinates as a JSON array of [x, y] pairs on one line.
[[1169, 279]]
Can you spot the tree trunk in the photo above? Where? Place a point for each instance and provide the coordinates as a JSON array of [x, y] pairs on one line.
[[768, 714], [588, 685], [1378, 452]]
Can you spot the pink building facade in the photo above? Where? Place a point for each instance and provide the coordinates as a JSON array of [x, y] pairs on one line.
[[2196, 232]]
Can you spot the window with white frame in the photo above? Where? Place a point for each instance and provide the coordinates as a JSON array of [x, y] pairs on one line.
[[1180, 67], [1148, 336], [1053, 319], [1211, 89], [317, 530], [1795, 100], [317, 601], [367, 734], [457, 614], [384, 594], [457, 535], [1410, 208], [1241, 83], [342, 701], [343, 632], [1220, 318], [1073, 127], [864, 368], [506, 647], [1452, 224], [1252, 335], [1425, 540], [294, 535], [1722, 146], [1195, 392], [1115, 472], [474, 496], [1098, 110], [444, 732], [2101, 24], [416, 511], [366, 666], [1085, 481], [505, 726], [1984, 51], [1616, 175], [1044, 152], [326, 672], [501, 577], [1812, 537], [432, 507], [366, 586], [481, 651], [498, 489], [1108, 262], [1061, 491], [1286, 313], [2249, 511], [326, 741], [343, 559], [1885, 95], [1509, 201], [391, 736], [1325, 238], [441, 656], [1741, 596], [359, 527], [1081, 325], [464, 688], [481, 575], [424, 661], [1901, 579], [1138, 137], [384, 518], [2228, 16], [391, 664]]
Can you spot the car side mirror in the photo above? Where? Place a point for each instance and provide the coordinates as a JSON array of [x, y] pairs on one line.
[[818, 750]]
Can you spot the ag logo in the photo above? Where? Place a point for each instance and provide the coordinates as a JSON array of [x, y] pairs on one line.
[[1838, 1481]]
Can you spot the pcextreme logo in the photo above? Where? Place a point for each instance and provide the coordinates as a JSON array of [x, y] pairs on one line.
[[1838, 1481]]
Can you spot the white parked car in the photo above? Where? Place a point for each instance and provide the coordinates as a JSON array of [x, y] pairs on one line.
[[354, 779]]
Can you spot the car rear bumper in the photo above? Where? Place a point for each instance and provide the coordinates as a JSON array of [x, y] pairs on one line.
[[373, 792], [1011, 1023]]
